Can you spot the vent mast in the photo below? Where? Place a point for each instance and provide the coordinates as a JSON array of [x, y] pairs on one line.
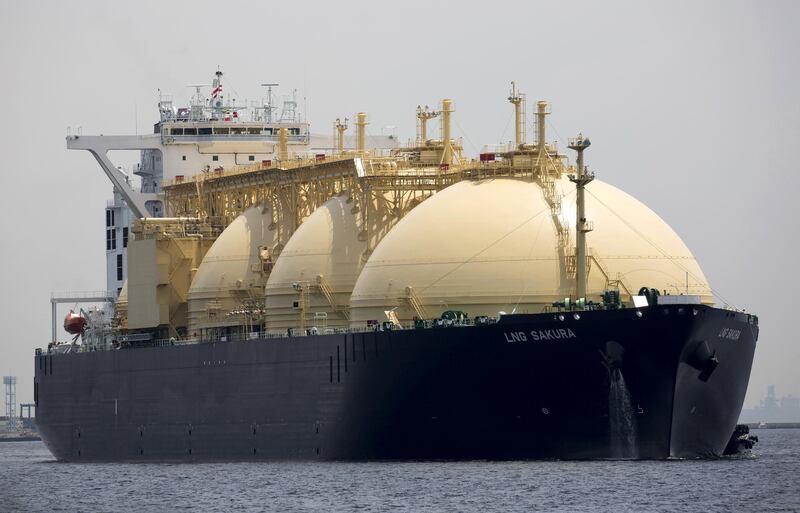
[[361, 128], [447, 149], [518, 100], [340, 128], [423, 115]]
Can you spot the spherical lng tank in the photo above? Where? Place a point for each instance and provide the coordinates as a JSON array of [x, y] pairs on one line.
[[233, 271], [317, 270], [494, 245]]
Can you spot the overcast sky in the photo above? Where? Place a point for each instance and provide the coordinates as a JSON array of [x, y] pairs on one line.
[[692, 107]]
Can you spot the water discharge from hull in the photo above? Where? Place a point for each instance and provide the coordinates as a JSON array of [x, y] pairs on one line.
[[622, 426]]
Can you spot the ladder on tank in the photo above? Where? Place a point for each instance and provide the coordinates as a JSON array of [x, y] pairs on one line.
[[416, 305], [553, 197], [327, 293]]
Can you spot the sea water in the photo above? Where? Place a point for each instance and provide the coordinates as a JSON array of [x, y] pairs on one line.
[[769, 480]]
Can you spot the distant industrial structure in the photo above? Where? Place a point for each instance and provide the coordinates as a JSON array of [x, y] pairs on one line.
[[773, 409], [10, 384], [14, 425]]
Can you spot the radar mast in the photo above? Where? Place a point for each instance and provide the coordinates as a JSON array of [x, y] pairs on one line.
[[269, 108]]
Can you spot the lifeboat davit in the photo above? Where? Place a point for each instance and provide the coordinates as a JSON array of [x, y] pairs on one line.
[[74, 324]]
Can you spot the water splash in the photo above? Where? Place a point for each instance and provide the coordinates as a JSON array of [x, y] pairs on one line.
[[621, 421]]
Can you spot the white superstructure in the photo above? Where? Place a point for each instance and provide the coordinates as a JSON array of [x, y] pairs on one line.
[[211, 134], [118, 233]]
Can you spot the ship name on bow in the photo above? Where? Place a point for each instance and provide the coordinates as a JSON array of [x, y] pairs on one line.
[[730, 334], [539, 335]]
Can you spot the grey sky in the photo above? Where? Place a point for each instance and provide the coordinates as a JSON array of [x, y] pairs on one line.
[[691, 107]]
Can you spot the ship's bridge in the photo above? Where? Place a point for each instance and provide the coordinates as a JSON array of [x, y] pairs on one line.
[[232, 130], [221, 118]]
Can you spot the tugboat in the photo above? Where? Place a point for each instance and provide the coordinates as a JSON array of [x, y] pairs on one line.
[[741, 442]]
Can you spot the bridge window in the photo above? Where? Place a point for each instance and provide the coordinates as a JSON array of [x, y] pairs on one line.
[[251, 158], [204, 131], [111, 239], [189, 131], [215, 158]]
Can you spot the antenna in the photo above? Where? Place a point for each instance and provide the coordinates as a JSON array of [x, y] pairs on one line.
[[268, 108], [289, 109], [216, 94], [198, 101]]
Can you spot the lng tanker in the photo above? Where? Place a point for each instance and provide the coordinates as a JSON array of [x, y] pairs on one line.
[[275, 294]]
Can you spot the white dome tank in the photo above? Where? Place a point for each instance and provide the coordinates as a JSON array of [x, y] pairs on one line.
[[233, 271], [318, 266], [492, 245]]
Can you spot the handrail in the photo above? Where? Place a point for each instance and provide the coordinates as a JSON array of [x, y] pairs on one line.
[[377, 165], [83, 294], [250, 168]]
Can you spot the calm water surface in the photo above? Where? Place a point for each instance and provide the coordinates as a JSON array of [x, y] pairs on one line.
[[767, 481]]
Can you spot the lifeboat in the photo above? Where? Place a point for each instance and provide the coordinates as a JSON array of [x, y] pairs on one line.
[[74, 324]]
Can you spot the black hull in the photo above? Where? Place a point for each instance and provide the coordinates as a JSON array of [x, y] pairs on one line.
[[610, 384]]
